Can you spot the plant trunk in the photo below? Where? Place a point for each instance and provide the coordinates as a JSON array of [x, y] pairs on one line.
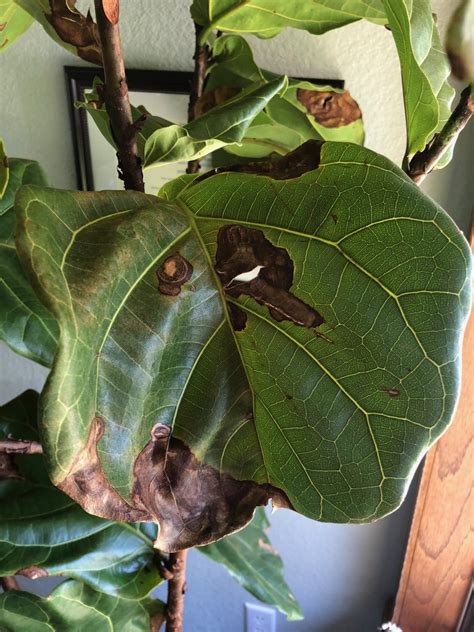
[[176, 591], [201, 60], [115, 95]]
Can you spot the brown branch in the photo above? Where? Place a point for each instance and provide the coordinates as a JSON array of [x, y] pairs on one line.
[[115, 95], [9, 583], [201, 60], [425, 161], [13, 446], [176, 591]]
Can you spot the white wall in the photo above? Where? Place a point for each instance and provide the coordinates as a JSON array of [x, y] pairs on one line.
[[342, 575]]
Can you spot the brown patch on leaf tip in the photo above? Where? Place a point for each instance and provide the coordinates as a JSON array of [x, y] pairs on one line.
[[219, 95], [86, 483], [33, 572], [328, 108], [241, 249], [193, 503], [75, 29], [172, 274]]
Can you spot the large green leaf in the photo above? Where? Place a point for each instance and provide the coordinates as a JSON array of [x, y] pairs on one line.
[[42, 532], [425, 71], [13, 23], [73, 607], [25, 325], [254, 563], [68, 27], [305, 111], [224, 124], [328, 417], [267, 18]]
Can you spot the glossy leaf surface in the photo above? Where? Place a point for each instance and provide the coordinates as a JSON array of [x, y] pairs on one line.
[[267, 18], [253, 562], [71, 607], [13, 23], [342, 369], [224, 124], [425, 71], [25, 325], [42, 532]]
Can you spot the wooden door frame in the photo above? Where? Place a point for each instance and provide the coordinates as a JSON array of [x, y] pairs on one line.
[[439, 560]]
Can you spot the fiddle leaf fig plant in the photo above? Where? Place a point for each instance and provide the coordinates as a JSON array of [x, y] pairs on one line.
[[285, 330]]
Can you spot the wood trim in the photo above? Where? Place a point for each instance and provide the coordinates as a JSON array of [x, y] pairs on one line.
[[439, 561]]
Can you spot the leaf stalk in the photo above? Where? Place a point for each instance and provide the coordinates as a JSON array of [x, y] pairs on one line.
[[425, 161]]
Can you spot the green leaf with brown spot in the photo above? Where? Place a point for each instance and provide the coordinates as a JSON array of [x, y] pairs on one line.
[[72, 606], [250, 558], [112, 557], [318, 379], [305, 111], [13, 23], [25, 324]]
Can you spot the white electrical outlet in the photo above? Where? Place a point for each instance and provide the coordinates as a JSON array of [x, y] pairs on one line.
[[259, 618]]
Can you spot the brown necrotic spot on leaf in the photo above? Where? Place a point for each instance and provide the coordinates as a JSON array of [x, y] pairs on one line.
[[86, 483], [393, 392], [238, 318], [33, 572], [330, 109], [193, 503], [75, 29], [241, 249], [303, 159], [173, 273]]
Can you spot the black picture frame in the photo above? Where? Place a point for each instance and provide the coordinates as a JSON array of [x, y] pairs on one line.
[[80, 79]]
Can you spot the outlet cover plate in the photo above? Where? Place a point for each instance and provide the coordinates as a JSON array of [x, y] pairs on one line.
[[259, 618]]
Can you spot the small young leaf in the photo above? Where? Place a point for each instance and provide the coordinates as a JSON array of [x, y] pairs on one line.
[[72, 607], [43, 533], [25, 324], [13, 23], [253, 562], [326, 378]]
